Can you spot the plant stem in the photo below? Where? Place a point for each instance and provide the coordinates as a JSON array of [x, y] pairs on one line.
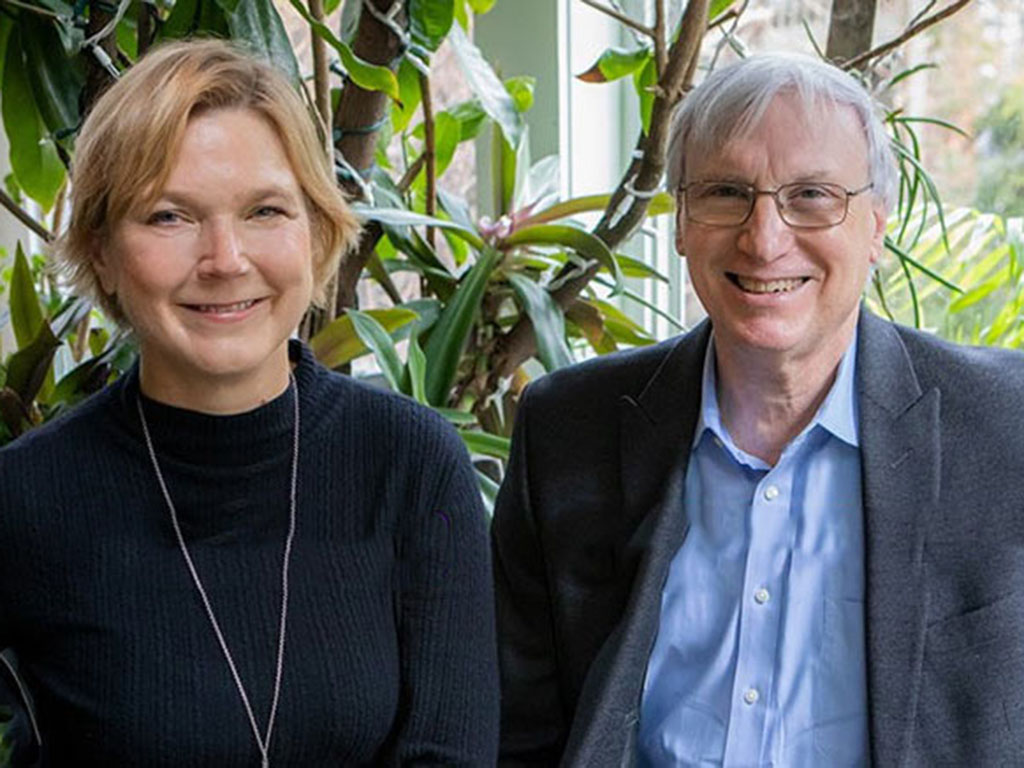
[[19, 213], [660, 41], [30, 8], [621, 18], [321, 84], [429, 153]]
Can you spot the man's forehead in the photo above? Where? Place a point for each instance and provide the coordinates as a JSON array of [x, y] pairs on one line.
[[819, 136]]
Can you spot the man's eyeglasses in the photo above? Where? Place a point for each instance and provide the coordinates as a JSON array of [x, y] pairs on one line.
[[805, 205]]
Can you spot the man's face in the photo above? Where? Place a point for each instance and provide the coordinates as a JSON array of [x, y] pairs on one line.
[[769, 287]]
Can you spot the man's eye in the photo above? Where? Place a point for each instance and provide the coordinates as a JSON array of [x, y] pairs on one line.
[[810, 193], [726, 192]]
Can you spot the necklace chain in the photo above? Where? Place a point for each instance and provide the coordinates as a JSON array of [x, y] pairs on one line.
[[262, 741]]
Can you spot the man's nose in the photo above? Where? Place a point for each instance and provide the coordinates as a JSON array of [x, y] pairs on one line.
[[764, 235], [223, 249]]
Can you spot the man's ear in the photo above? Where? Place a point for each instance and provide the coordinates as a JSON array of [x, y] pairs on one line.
[[680, 231], [878, 221]]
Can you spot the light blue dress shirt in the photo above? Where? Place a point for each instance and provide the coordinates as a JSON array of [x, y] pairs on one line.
[[759, 658]]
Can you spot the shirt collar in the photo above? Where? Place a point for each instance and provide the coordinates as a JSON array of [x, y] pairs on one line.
[[837, 414]]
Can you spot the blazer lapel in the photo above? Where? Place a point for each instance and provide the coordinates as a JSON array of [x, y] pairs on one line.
[[656, 432], [900, 460]]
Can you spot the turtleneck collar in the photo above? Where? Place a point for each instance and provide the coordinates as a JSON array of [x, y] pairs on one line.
[[238, 439]]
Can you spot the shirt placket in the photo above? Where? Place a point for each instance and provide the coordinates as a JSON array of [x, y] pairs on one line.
[[759, 617]]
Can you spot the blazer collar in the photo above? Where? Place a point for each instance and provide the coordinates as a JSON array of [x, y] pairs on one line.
[[657, 424], [900, 469]]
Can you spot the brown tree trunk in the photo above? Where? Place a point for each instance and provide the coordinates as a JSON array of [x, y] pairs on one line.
[[97, 78], [850, 28], [358, 111]]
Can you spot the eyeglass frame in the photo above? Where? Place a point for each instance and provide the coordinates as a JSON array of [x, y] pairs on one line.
[[774, 193]]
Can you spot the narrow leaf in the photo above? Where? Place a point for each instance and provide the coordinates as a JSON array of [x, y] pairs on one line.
[[449, 335], [375, 336], [486, 444], [26, 312], [28, 367], [584, 243], [338, 343], [417, 368], [547, 321]]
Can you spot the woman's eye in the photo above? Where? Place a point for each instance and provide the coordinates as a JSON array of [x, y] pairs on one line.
[[164, 217], [268, 212]]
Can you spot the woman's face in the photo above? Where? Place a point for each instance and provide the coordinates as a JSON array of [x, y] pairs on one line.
[[215, 275]]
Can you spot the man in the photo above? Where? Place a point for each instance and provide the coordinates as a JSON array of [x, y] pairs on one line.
[[793, 536]]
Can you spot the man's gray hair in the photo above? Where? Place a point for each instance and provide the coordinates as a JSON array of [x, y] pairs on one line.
[[732, 100]]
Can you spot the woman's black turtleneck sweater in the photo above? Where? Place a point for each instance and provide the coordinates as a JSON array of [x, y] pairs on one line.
[[390, 650]]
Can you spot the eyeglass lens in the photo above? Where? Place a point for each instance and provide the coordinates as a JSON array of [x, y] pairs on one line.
[[802, 204]]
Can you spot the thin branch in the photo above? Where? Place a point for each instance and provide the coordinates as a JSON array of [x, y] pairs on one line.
[[660, 38], [31, 8], [19, 213], [909, 32], [429, 152], [321, 84], [411, 173], [621, 18]]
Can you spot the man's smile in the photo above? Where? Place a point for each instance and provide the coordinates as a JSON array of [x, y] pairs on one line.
[[774, 285]]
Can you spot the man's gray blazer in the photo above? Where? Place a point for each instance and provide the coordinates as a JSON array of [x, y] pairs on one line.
[[591, 514]]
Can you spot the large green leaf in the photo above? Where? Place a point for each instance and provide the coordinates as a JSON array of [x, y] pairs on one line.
[[584, 243], [494, 97], [180, 21], [26, 312], [615, 63], [448, 336], [56, 79], [376, 337], [258, 23], [28, 367], [369, 77], [338, 343], [400, 217], [430, 20], [547, 320], [33, 158]]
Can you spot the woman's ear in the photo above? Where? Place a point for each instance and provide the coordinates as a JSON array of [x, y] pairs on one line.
[[104, 264]]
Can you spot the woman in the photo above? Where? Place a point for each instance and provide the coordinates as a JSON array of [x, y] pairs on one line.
[[232, 556]]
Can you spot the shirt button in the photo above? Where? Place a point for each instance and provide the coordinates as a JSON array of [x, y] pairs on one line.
[[750, 696], [771, 493], [761, 596]]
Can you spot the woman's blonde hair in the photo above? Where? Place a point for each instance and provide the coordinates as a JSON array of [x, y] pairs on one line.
[[130, 140]]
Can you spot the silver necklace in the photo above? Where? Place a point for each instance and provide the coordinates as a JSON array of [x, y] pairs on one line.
[[262, 742]]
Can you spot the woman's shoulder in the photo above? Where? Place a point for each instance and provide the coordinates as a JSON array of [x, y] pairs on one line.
[[65, 433]]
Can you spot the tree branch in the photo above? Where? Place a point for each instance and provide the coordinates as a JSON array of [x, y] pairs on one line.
[[429, 154], [660, 41], [621, 18], [19, 213], [321, 84], [629, 201], [909, 32]]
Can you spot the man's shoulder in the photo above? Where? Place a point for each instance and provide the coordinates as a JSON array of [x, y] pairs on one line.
[[949, 365], [602, 381]]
